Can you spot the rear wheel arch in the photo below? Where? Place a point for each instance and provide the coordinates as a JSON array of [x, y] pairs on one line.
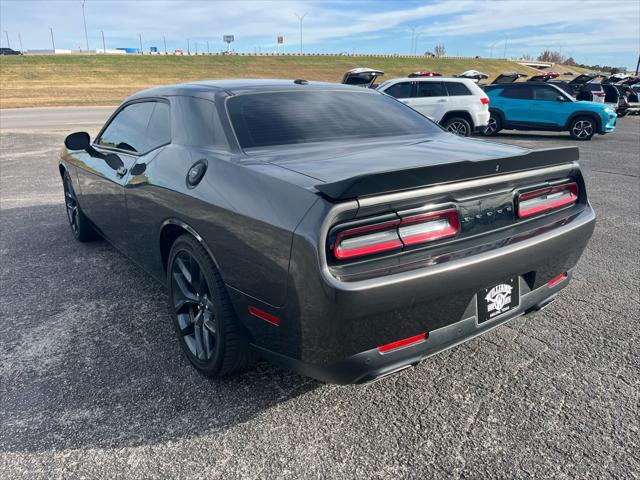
[[458, 113], [498, 113], [170, 231]]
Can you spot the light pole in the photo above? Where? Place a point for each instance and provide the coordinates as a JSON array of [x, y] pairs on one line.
[[104, 45], [208, 51], [84, 19], [20, 40], [188, 47], [140, 38], [301, 17], [7, 35], [164, 40], [506, 39], [413, 31], [415, 44], [196, 47], [53, 44]]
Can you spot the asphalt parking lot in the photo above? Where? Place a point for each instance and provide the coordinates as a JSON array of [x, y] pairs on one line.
[[93, 383]]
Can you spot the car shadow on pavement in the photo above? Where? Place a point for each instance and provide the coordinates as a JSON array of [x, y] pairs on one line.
[[88, 356]]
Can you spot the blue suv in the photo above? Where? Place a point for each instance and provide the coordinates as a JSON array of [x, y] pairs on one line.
[[541, 106]]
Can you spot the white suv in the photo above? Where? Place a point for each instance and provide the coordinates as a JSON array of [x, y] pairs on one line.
[[458, 104]]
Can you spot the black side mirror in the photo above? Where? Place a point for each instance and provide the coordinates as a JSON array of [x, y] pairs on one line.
[[78, 141]]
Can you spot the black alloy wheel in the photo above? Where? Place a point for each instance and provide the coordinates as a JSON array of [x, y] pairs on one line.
[[80, 225], [458, 126], [203, 316]]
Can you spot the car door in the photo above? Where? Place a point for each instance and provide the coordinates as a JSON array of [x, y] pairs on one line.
[[514, 101], [431, 99], [549, 107], [402, 91], [105, 168]]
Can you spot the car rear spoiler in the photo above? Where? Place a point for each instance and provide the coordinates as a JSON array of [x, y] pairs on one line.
[[411, 178]]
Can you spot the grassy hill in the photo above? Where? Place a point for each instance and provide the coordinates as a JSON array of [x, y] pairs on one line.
[[45, 80]]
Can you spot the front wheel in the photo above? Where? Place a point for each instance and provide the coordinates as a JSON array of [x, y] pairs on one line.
[[582, 128], [208, 330], [80, 225], [494, 125], [458, 126]]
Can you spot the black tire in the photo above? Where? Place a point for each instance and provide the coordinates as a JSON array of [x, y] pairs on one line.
[[80, 225], [458, 126], [623, 114], [207, 327], [582, 128], [493, 126]]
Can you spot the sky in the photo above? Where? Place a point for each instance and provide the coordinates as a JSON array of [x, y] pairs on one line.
[[592, 32]]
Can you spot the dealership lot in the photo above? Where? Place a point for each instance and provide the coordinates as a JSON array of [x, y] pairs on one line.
[[93, 383]]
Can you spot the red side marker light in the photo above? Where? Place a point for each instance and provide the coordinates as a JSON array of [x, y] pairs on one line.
[[272, 319], [557, 279], [403, 343]]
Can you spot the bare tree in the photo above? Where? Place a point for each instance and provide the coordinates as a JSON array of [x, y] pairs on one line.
[[570, 61], [440, 50], [550, 56]]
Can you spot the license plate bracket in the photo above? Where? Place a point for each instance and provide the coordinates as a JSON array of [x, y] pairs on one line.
[[498, 299]]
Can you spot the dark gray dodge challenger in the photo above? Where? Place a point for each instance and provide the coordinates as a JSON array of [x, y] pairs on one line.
[[327, 228]]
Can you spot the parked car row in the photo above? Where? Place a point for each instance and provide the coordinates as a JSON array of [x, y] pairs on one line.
[[462, 105]]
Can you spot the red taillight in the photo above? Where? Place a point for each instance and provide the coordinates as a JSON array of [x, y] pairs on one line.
[[272, 319], [396, 234], [428, 227], [545, 199], [556, 280], [599, 94], [407, 342], [367, 240], [484, 100]]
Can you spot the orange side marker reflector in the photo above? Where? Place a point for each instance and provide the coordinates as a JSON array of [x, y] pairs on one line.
[[272, 319]]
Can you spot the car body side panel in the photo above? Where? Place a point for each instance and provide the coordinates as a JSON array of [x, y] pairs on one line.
[[249, 235]]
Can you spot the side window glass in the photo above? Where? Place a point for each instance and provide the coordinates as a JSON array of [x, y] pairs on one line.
[[518, 93], [544, 93], [456, 89], [399, 90], [128, 129], [431, 89], [159, 129]]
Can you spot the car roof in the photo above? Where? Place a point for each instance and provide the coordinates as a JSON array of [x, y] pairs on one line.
[[209, 88]]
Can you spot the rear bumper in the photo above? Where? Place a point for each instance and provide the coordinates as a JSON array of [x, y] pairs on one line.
[[371, 364], [330, 329]]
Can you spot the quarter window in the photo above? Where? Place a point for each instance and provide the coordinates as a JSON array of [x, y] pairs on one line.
[[159, 129], [400, 90], [431, 89], [456, 89]]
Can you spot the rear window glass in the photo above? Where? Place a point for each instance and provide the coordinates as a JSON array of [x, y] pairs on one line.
[[520, 93], [457, 88], [431, 89], [284, 118]]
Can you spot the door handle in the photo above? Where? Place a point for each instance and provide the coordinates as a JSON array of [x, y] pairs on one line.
[[442, 100], [121, 172]]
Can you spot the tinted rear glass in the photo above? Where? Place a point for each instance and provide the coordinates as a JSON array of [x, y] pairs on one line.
[[457, 88], [431, 89], [400, 90], [284, 118], [520, 93]]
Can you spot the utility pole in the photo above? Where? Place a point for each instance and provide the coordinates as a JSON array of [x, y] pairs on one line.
[[104, 45], [188, 48], [301, 18], [165, 44], [638, 65], [84, 19], [506, 39], [140, 37], [20, 40], [196, 47], [208, 51], [53, 44], [7, 35]]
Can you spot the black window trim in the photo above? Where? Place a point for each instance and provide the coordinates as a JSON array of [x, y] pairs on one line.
[[115, 114]]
